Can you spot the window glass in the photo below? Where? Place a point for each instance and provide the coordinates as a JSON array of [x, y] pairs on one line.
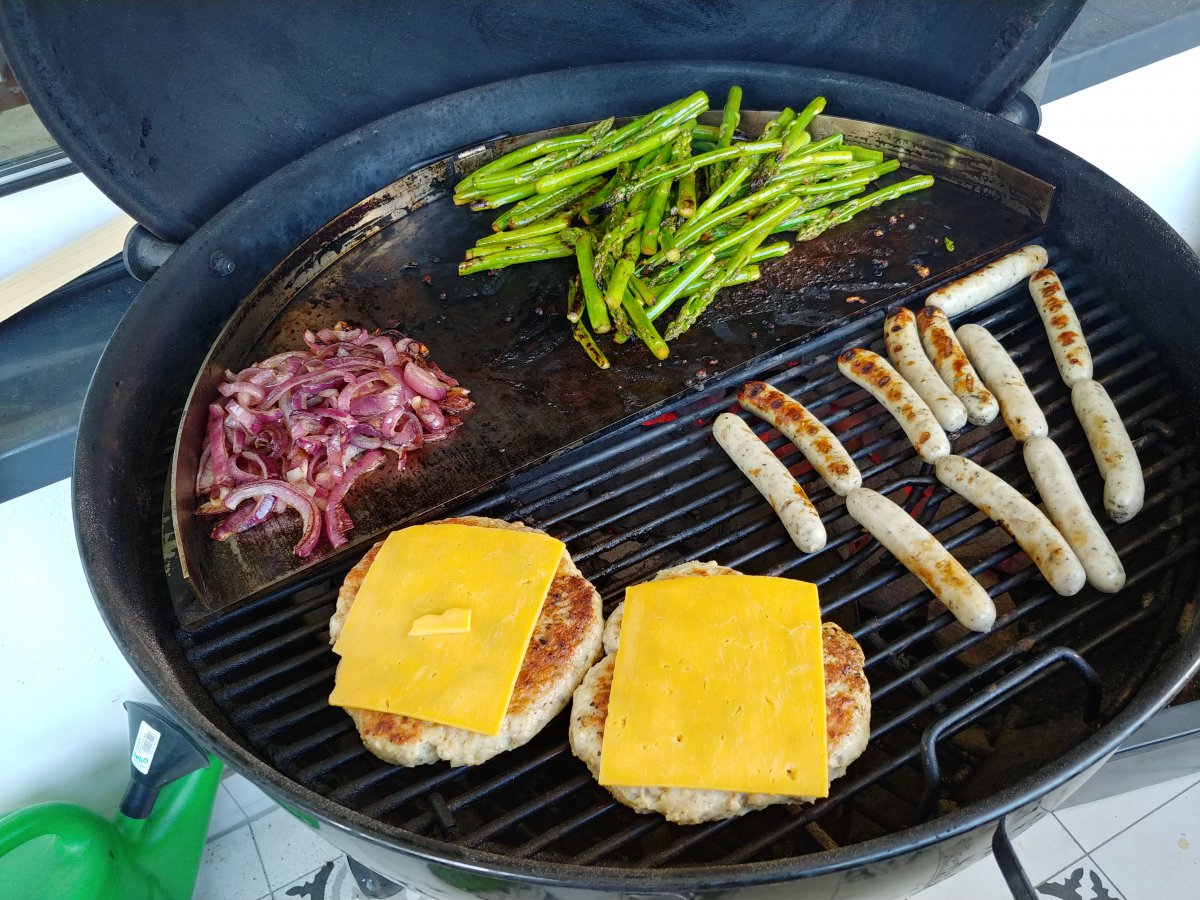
[[28, 155]]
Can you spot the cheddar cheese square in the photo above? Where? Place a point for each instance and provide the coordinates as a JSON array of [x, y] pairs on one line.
[[719, 684], [464, 679]]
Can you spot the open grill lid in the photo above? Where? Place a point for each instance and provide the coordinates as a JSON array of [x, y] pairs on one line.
[[174, 109]]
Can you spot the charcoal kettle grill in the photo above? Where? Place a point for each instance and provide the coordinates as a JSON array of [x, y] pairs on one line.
[[238, 137]]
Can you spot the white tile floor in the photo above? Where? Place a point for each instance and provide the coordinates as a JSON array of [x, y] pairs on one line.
[[1142, 845], [1136, 846]]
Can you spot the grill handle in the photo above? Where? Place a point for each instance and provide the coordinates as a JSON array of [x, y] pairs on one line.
[[989, 698], [1010, 867]]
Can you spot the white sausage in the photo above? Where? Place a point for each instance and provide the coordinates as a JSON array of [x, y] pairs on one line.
[[1021, 412], [871, 371], [818, 444], [982, 285], [1071, 515], [946, 353], [923, 555], [904, 350], [1062, 327], [1027, 524], [774, 482], [1124, 487]]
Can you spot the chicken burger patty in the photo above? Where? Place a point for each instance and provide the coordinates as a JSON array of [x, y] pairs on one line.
[[565, 642], [847, 722]]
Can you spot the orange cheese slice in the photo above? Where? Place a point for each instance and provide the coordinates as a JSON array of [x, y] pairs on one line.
[[455, 620], [464, 680], [719, 684]]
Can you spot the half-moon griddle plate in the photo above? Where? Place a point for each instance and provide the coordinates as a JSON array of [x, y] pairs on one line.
[[390, 262]]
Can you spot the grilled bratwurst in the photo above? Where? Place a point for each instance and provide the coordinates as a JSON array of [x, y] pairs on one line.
[[565, 642], [847, 722]]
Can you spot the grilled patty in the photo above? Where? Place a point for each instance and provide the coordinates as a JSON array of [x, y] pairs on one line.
[[565, 642], [847, 722]]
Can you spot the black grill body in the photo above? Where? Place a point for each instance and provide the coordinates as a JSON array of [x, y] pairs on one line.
[[252, 682]]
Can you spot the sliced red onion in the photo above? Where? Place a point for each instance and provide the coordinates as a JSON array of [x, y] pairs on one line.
[[380, 404], [457, 400], [314, 420], [337, 520], [295, 381], [403, 428], [429, 414], [222, 466], [386, 346], [272, 440], [285, 360], [204, 471], [423, 382], [247, 392], [310, 514], [441, 376], [248, 420], [245, 517]]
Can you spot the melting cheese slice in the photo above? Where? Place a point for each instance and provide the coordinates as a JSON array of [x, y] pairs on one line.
[[719, 684], [462, 680], [453, 621]]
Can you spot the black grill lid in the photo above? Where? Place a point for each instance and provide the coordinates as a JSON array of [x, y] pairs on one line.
[[175, 108]]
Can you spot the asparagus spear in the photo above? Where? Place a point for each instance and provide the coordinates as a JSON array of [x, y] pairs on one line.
[[593, 302], [863, 177], [590, 347], [642, 291], [574, 300], [614, 292], [692, 231], [546, 242], [726, 241], [594, 213], [659, 198], [744, 276], [657, 120], [643, 327], [513, 257], [524, 174], [549, 226], [699, 302], [556, 180], [867, 154], [722, 192], [795, 137], [846, 211], [685, 195], [536, 208], [623, 330], [614, 240], [668, 294], [514, 158], [731, 115], [502, 197], [775, 130], [674, 171], [685, 200]]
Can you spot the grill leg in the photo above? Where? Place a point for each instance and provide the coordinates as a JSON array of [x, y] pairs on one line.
[[372, 884]]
